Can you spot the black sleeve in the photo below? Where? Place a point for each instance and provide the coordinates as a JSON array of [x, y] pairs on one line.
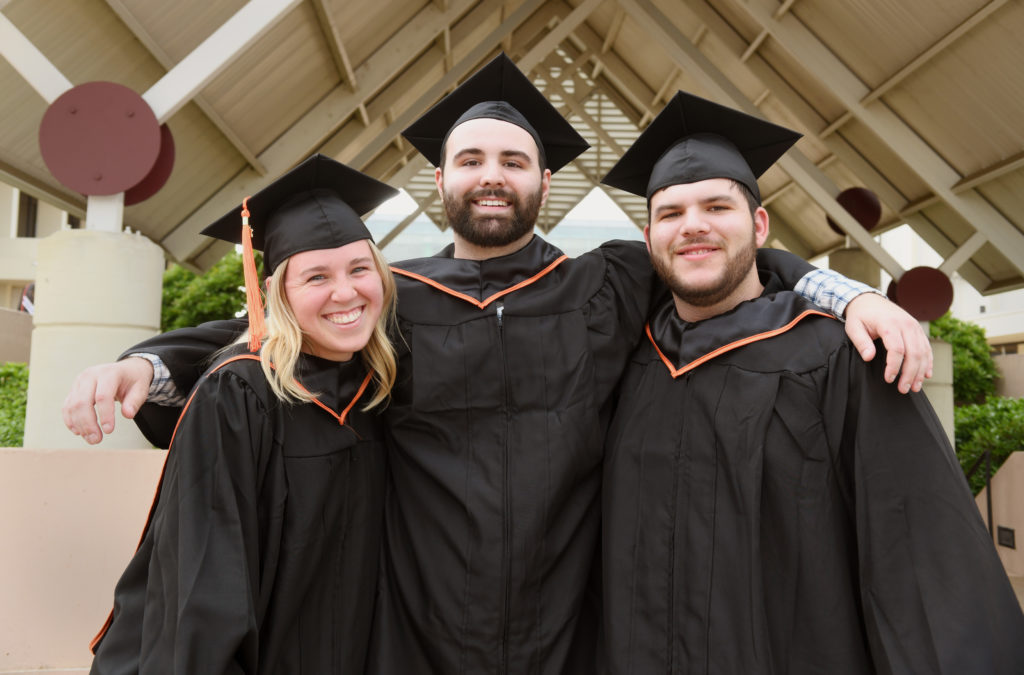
[[935, 595], [186, 353], [789, 267]]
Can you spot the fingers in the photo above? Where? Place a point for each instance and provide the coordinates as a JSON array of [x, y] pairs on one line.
[[78, 410], [861, 339], [908, 350], [88, 410]]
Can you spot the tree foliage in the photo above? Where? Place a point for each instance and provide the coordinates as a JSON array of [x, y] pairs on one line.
[[974, 371], [190, 299], [13, 397], [996, 425]]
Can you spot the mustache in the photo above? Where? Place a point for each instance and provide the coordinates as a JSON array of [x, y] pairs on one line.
[[507, 195]]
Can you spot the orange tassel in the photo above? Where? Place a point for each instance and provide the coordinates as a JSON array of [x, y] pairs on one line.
[[253, 298]]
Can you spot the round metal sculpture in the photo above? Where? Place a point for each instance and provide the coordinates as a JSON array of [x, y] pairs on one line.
[[100, 138], [862, 204], [158, 175], [925, 292]]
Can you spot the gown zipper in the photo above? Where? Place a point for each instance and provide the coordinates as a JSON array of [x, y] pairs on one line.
[[506, 561]]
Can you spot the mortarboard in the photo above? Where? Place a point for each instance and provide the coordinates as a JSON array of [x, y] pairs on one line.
[[500, 91], [694, 139], [316, 205]]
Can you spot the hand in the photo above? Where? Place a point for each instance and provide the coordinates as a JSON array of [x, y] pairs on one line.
[[96, 389], [909, 353]]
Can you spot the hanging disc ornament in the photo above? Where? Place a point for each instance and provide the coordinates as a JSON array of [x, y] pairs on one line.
[[925, 292], [99, 138]]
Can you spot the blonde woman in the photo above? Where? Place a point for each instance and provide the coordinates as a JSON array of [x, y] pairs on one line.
[[261, 551]]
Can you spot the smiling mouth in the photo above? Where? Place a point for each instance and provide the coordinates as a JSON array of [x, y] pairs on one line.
[[491, 202], [696, 251], [345, 318]]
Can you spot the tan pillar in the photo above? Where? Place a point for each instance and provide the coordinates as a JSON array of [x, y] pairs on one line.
[[97, 293], [939, 389], [856, 264]]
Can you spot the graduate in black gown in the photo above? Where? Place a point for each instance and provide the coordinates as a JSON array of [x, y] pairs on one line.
[[262, 547], [508, 354], [770, 505]]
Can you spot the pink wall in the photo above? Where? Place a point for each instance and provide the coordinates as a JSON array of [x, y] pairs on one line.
[[69, 522]]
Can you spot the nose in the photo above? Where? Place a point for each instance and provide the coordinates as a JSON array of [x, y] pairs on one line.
[[493, 175], [693, 223], [343, 291]]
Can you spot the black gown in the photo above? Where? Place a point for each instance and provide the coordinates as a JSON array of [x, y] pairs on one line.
[[776, 507], [265, 529], [496, 429]]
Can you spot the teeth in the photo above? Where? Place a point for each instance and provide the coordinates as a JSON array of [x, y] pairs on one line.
[[345, 317], [698, 251], [492, 202]]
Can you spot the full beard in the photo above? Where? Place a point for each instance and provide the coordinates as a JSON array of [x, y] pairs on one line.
[[710, 293], [490, 231]]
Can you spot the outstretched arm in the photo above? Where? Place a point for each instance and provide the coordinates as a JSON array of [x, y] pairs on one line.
[[868, 315], [178, 358], [97, 388]]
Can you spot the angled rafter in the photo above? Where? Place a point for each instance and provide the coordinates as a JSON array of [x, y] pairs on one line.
[[319, 123], [924, 57], [813, 181], [147, 41], [329, 27], [930, 167], [177, 87], [472, 59]]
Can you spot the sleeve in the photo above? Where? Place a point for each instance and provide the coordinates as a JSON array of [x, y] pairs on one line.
[[185, 353], [208, 554], [616, 314], [827, 289], [935, 595]]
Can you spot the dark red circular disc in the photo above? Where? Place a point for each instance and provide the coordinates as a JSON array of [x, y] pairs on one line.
[[862, 204], [158, 175], [99, 138], [925, 292]]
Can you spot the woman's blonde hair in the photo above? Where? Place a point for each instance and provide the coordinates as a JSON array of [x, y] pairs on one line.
[[284, 340]]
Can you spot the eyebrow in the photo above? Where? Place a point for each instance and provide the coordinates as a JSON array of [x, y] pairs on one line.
[[519, 154], [364, 260]]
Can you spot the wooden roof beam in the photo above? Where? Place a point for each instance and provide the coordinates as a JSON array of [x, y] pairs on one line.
[[329, 27], [834, 76], [814, 182], [319, 123], [161, 56]]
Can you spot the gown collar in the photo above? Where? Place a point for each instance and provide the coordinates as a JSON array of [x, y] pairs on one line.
[[684, 345]]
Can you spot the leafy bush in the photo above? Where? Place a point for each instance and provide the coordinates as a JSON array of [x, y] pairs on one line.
[[190, 299], [974, 371], [996, 425], [13, 395]]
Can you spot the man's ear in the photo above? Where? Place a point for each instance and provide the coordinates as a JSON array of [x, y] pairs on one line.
[[439, 182], [647, 236], [545, 186], [760, 226]]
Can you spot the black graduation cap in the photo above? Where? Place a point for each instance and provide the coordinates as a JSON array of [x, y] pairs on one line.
[[694, 139], [315, 205], [500, 91]]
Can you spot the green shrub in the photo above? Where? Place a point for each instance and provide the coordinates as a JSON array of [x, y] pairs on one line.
[[996, 425], [190, 299], [13, 395], [974, 371]]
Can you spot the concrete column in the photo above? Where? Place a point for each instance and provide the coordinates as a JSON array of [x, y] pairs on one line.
[[939, 389], [97, 293], [856, 264]]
